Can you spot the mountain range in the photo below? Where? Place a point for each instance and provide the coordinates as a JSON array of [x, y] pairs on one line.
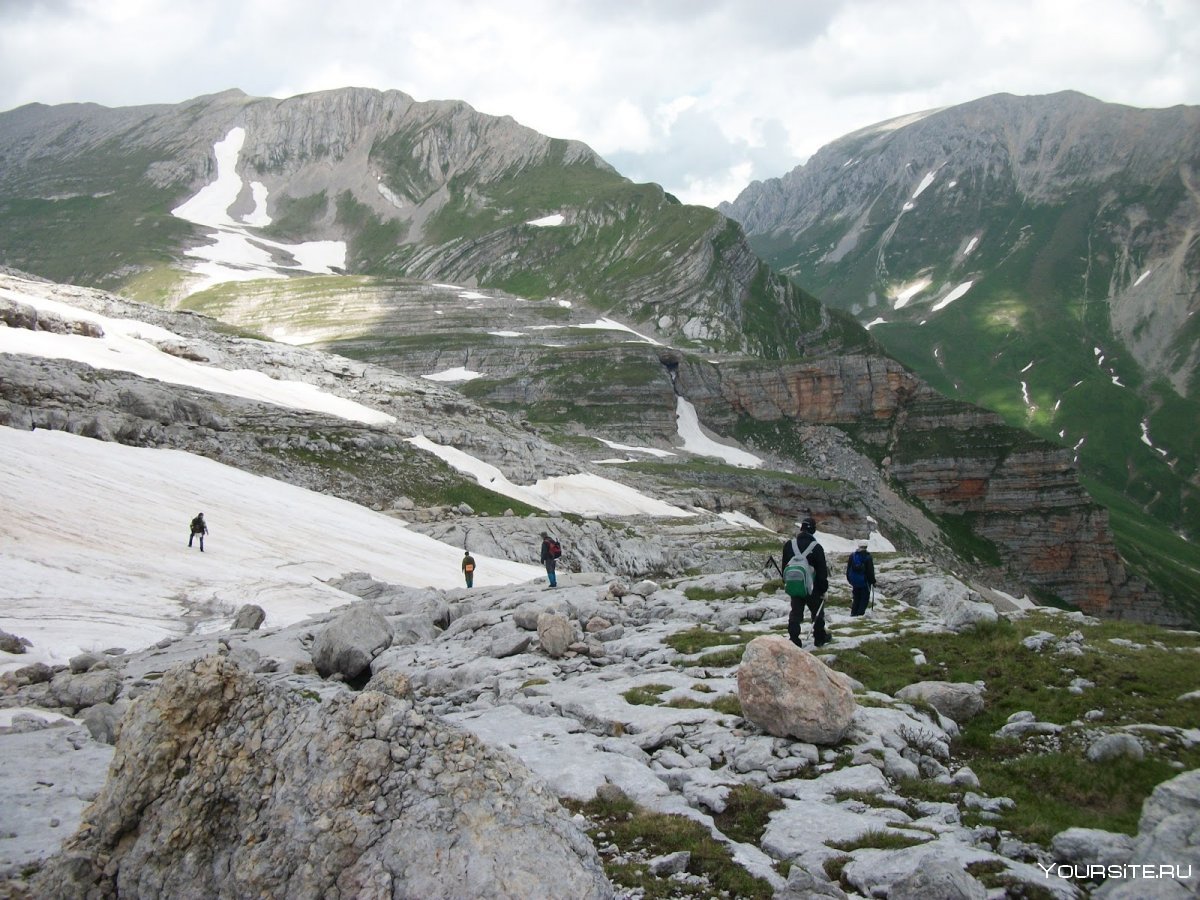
[[1037, 256], [602, 310]]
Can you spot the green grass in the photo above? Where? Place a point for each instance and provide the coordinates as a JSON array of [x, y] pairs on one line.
[[747, 813], [878, 839], [1054, 785], [646, 694], [693, 640], [632, 828]]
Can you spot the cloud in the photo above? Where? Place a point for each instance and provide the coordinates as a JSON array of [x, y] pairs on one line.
[[692, 94]]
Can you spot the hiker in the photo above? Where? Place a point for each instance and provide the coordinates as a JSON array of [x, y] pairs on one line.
[[199, 527], [468, 567], [805, 545], [860, 572], [551, 551]]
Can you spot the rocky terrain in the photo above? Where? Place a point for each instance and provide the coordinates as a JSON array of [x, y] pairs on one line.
[[645, 722], [439, 718]]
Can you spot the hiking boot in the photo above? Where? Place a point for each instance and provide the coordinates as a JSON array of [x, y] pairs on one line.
[[822, 641]]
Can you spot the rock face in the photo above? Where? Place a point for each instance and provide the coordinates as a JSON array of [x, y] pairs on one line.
[[961, 461], [224, 786], [790, 693]]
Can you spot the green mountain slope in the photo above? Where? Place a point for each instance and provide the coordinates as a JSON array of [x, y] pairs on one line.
[[1037, 256]]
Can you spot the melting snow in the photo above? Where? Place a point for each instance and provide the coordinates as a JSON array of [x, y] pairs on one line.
[[873, 322], [971, 246], [607, 324], [1142, 278], [952, 296], [234, 254], [925, 182], [696, 441], [458, 374], [124, 347], [98, 556], [653, 451], [908, 291], [583, 494], [507, 333], [547, 221]]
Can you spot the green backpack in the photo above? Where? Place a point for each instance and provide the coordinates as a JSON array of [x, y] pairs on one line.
[[798, 574]]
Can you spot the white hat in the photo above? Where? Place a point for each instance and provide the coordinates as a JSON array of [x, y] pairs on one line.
[[862, 545]]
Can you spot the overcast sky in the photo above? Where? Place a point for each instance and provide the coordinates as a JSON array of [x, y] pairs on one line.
[[701, 96]]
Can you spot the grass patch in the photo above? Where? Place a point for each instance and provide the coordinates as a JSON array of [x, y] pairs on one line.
[[700, 638], [635, 830], [646, 694], [746, 814], [877, 839]]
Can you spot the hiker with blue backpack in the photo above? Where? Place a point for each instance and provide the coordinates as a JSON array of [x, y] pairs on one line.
[[806, 580], [860, 572]]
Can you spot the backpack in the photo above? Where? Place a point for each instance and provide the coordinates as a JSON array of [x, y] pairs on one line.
[[798, 574], [554, 548], [858, 568], [197, 525]]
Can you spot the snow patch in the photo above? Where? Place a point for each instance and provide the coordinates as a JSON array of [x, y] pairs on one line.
[[955, 294], [1142, 277], [233, 253], [696, 441], [99, 557], [901, 298], [653, 451], [125, 348], [607, 324], [548, 221], [925, 182], [582, 494], [457, 374]]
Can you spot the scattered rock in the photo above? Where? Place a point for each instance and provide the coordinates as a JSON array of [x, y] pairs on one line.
[[347, 645], [249, 617], [10, 643], [959, 701], [936, 880], [1114, 746]]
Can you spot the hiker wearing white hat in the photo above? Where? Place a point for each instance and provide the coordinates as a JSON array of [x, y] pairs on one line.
[[860, 572]]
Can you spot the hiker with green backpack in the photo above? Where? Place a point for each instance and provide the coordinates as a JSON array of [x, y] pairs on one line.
[[806, 580]]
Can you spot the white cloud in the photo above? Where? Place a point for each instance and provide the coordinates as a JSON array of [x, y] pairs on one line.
[[684, 94]]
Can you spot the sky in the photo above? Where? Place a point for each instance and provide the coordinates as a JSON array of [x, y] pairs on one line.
[[700, 96]]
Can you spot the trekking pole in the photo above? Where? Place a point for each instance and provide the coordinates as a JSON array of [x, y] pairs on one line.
[[773, 564]]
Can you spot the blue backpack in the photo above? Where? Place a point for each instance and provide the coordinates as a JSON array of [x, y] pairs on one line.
[[857, 572]]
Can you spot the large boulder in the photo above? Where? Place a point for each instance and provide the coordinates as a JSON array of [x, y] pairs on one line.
[[788, 692], [959, 701], [347, 645], [223, 785]]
